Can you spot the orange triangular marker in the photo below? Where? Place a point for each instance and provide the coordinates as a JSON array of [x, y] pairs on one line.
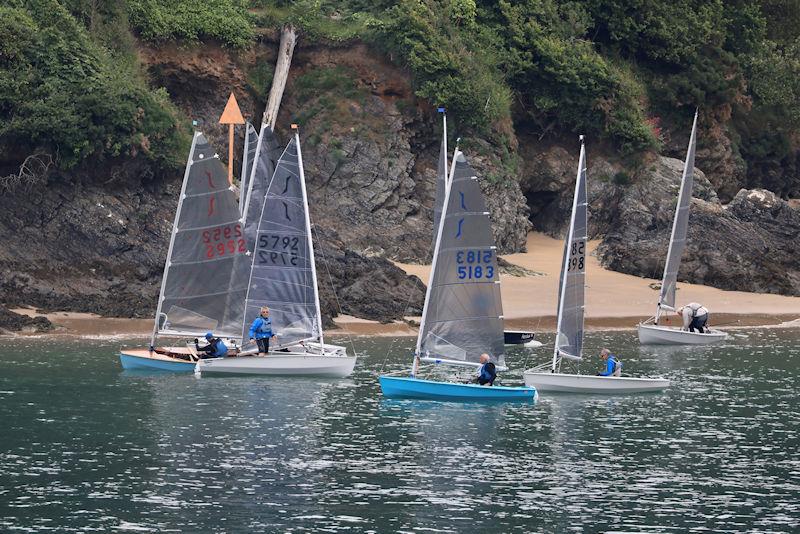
[[232, 113]]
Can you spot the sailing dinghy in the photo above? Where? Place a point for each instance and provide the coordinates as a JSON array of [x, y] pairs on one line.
[[283, 276], [462, 316], [569, 332], [510, 337], [650, 332], [198, 292]]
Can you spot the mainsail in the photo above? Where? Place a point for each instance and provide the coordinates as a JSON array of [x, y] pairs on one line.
[[249, 155], [463, 315], [198, 290], [680, 226], [441, 180], [569, 337], [283, 276], [267, 153]]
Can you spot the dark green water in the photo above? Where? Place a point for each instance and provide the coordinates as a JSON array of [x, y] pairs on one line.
[[87, 447]]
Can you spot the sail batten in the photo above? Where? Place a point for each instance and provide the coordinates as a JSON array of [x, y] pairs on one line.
[[198, 291], [463, 312], [569, 330], [680, 226]]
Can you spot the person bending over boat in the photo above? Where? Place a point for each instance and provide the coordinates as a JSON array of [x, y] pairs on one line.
[[613, 365], [261, 331], [487, 372], [694, 316], [215, 348]]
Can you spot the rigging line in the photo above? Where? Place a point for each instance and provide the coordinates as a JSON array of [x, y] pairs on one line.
[[330, 280]]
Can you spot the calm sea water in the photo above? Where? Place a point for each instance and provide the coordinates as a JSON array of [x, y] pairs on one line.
[[85, 446]]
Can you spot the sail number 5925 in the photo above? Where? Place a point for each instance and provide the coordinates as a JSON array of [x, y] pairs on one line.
[[474, 264]]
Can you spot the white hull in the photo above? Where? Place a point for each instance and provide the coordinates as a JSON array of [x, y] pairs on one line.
[[592, 384], [650, 334], [281, 364]]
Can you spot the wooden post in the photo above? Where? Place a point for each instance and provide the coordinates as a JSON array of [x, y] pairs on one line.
[[231, 116], [285, 52]]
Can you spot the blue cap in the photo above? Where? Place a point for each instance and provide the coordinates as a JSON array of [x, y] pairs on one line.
[[209, 335], [440, 109]]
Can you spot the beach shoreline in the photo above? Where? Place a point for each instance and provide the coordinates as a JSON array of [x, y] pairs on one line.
[[614, 301]]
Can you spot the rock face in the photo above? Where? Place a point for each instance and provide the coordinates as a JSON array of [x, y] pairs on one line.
[[741, 246], [14, 322]]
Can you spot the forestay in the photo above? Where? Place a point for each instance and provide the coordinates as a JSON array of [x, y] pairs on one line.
[[250, 148], [441, 179], [463, 315], [569, 338], [198, 291], [680, 225], [267, 153], [282, 275]]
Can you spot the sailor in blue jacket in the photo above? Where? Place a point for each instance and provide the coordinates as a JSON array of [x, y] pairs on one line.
[[261, 331], [613, 365], [215, 348], [488, 372]]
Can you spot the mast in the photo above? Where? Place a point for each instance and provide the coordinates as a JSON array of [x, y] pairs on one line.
[[566, 259], [680, 224], [310, 238], [433, 262], [243, 180], [172, 239]]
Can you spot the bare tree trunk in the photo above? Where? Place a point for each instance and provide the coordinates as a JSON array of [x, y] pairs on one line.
[[288, 39]]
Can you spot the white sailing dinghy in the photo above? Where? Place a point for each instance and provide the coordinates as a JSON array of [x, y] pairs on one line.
[[650, 332], [569, 332], [283, 276], [463, 314], [198, 290]]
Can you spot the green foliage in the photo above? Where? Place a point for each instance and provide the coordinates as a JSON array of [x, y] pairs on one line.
[[65, 94], [449, 68], [225, 20]]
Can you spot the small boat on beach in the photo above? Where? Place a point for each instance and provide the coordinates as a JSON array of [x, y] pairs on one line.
[[650, 331], [462, 316], [570, 323]]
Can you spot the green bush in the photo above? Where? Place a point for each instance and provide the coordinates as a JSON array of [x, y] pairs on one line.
[[225, 20], [64, 94]]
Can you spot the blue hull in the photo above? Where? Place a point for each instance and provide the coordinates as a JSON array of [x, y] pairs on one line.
[[414, 388], [129, 361]]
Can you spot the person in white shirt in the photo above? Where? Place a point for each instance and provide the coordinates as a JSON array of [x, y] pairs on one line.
[[695, 316]]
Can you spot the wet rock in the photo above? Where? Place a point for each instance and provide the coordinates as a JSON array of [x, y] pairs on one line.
[[14, 322], [741, 246]]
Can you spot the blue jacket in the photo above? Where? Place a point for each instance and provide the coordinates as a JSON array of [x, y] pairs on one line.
[[215, 348], [611, 366], [261, 328], [488, 373]]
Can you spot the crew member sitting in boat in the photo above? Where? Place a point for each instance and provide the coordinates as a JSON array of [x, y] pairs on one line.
[[215, 348], [487, 372], [694, 316], [261, 331], [613, 365]]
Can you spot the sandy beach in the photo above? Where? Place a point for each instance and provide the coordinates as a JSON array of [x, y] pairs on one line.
[[613, 301]]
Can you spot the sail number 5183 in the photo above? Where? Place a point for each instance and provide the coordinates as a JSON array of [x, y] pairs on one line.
[[474, 264]]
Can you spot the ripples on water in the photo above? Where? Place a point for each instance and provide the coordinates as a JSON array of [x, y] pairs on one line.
[[85, 446]]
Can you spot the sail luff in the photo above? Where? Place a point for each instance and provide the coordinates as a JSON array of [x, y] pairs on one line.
[[441, 179], [436, 247], [309, 237], [172, 236], [680, 225], [572, 271], [251, 178], [243, 185]]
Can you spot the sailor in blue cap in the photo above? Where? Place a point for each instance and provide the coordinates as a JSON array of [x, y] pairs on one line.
[[215, 348]]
